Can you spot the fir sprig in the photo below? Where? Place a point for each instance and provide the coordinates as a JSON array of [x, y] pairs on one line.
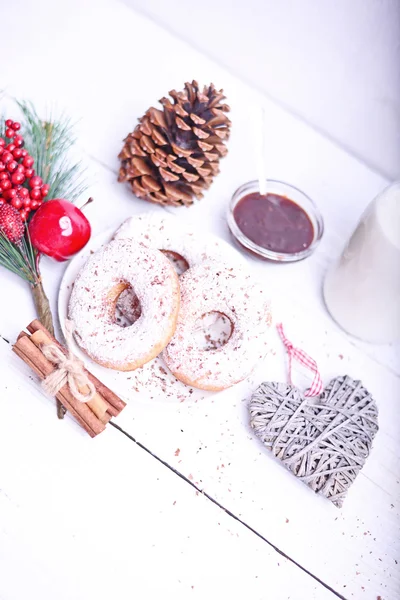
[[49, 142]]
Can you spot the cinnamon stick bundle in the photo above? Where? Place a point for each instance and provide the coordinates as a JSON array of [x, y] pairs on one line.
[[92, 415]]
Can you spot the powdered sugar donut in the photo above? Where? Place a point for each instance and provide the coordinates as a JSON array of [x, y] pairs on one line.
[[106, 274], [230, 292]]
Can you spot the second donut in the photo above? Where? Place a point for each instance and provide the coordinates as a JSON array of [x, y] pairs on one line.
[[210, 288]]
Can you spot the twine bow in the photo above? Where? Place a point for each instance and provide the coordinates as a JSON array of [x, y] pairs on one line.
[[303, 359], [70, 370]]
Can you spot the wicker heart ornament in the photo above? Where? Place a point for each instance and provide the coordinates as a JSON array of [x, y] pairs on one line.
[[324, 440]]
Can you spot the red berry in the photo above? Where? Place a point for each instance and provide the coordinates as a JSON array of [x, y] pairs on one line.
[[35, 194], [11, 147], [26, 200], [21, 169], [23, 214], [16, 202], [35, 182], [16, 126], [24, 192], [44, 190], [12, 165], [9, 194], [24, 153], [5, 184], [4, 175], [9, 123], [10, 132], [2, 201], [7, 156], [2, 166], [17, 178], [34, 204], [28, 161], [11, 223], [2, 143], [19, 141], [17, 153], [29, 173]]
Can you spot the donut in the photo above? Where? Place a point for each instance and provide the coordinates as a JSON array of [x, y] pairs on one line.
[[183, 247], [210, 288], [106, 274]]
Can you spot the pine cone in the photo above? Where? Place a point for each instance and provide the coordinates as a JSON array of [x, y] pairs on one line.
[[173, 154]]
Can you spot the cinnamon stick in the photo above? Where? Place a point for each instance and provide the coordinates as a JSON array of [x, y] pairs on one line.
[[36, 370], [115, 403], [97, 404], [36, 326], [27, 350], [59, 396], [43, 368]]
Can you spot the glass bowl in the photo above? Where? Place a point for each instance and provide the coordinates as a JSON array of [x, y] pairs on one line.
[[291, 193]]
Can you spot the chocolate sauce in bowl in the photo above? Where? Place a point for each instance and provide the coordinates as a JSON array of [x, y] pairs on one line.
[[274, 222]]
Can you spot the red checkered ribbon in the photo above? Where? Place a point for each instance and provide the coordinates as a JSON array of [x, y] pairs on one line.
[[303, 359]]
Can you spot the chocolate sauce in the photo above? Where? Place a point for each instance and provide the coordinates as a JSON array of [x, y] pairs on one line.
[[274, 222]]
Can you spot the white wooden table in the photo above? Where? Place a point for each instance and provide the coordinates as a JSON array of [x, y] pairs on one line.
[[126, 515]]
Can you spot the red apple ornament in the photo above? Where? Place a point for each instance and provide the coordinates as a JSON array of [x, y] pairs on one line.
[[59, 229]]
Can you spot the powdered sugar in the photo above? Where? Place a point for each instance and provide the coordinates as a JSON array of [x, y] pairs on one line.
[[231, 291], [92, 304]]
